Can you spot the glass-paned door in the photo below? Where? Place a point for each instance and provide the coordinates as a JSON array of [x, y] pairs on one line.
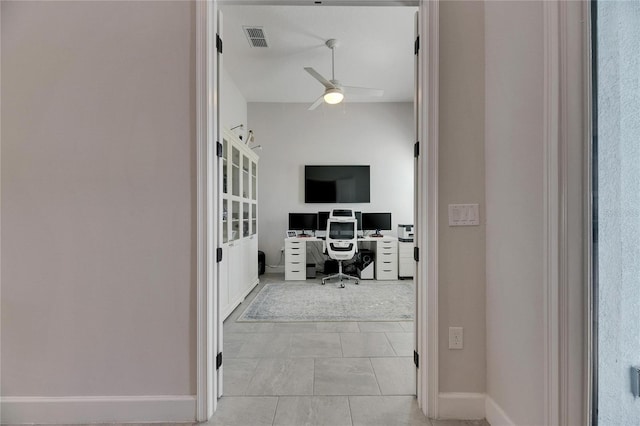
[[616, 216]]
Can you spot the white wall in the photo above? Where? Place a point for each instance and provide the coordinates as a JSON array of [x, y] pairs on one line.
[[377, 134], [98, 199], [514, 205], [461, 268], [233, 105]]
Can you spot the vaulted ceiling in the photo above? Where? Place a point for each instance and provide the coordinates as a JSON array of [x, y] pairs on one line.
[[375, 50]]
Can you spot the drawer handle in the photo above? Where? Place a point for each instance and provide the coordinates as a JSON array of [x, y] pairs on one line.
[[386, 261]]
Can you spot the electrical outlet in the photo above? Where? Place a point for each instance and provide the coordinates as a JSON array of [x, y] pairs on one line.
[[455, 338]]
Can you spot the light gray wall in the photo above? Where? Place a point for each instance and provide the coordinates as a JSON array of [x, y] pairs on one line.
[[461, 289], [233, 105], [98, 196], [377, 134], [514, 207], [619, 210]]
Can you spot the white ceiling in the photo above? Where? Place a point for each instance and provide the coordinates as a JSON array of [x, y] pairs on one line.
[[376, 50]]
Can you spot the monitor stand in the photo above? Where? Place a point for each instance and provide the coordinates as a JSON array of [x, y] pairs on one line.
[[303, 234], [377, 234]]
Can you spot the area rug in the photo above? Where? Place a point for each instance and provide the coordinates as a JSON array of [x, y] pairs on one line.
[[369, 301]]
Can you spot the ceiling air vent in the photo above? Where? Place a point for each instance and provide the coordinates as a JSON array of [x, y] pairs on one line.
[[256, 36]]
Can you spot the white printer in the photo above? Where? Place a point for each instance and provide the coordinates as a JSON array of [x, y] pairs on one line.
[[405, 233]]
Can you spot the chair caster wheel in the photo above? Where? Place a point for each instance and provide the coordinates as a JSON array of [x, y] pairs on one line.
[[341, 285], [322, 282]]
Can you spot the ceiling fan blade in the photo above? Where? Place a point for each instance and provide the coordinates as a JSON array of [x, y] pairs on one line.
[[316, 103], [362, 91], [315, 74]]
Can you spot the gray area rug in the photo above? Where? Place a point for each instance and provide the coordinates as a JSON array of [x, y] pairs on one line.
[[369, 301]]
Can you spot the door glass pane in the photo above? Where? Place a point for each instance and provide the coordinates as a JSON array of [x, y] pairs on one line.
[[245, 177], [225, 222], [254, 189], [224, 166], [254, 219], [245, 219], [235, 220], [235, 172], [617, 218]]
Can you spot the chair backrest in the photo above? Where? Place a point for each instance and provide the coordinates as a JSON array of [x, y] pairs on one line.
[[342, 238]]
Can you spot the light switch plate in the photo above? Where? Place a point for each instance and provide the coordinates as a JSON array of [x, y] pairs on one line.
[[464, 215]]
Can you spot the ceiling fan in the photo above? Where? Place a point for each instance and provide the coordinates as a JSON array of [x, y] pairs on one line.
[[334, 91]]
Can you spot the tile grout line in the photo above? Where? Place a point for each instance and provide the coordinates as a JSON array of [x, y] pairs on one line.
[[273, 420], [376, 376], [391, 344], [350, 412], [313, 381]]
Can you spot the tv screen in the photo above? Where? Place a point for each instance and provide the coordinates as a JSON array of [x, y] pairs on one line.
[[336, 184]]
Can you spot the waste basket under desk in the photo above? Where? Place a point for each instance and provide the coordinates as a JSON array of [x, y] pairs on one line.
[[385, 248]]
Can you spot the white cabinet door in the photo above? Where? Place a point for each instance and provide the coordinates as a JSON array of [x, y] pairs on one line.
[[236, 270], [251, 261]]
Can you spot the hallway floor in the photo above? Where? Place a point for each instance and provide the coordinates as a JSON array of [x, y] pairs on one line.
[[318, 373]]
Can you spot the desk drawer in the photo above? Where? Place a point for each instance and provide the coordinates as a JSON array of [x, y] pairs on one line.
[[385, 256], [291, 244], [296, 272], [385, 272]]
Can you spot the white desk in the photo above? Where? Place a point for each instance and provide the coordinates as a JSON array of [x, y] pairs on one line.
[[385, 249]]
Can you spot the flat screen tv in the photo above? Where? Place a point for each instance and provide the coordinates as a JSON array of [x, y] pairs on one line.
[[336, 184]]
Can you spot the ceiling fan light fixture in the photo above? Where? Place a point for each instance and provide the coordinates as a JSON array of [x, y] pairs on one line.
[[333, 96]]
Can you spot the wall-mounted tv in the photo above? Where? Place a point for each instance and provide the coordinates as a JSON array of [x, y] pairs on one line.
[[336, 184]]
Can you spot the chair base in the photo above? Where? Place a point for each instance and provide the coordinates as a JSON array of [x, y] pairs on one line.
[[341, 275]]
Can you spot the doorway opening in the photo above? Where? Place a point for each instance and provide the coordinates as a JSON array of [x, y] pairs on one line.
[[425, 206], [305, 350]]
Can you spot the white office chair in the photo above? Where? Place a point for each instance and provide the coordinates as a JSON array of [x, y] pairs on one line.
[[341, 244]]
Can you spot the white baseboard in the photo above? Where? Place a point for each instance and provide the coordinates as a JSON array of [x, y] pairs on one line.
[[495, 415], [461, 405], [98, 409]]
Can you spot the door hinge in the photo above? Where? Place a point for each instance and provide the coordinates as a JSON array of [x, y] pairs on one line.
[[218, 360], [218, 44], [416, 359], [416, 254], [416, 149], [416, 45], [218, 149], [219, 255]]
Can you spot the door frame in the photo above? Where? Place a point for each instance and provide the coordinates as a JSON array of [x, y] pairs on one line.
[[426, 221], [567, 295]]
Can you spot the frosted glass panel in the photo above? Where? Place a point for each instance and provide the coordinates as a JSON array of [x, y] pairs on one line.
[[618, 216]]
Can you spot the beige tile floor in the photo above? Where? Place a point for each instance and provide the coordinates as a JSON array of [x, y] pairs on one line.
[[319, 373]]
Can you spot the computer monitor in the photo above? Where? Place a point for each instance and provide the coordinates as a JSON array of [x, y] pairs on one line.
[[359, 219], [322, 220], [303, 222], [376, 222]]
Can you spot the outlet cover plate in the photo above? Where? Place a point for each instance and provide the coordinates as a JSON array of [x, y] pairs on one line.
[[456, 338]]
